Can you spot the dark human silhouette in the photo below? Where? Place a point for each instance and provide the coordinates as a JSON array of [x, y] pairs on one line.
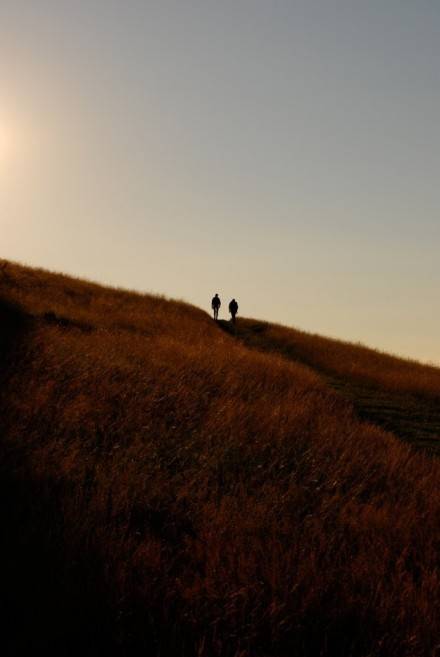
[[215, 305], [233, 309]]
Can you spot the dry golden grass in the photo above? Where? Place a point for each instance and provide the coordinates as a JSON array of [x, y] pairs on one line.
[[177, 493], [344, 359]]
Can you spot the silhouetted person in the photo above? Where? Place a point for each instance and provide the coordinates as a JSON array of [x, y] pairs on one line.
[[215, 304], [233, 309]]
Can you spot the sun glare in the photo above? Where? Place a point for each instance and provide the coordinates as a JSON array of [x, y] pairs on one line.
[[6, 142], [12, 140]]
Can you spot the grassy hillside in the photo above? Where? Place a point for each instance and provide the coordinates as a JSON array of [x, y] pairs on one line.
[[399, 395], [169, 489]]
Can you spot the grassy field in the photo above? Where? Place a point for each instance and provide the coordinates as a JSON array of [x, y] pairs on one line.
[[172, 489], [402, 396]]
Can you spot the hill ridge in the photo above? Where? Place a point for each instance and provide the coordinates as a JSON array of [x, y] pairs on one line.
[[412, 417]]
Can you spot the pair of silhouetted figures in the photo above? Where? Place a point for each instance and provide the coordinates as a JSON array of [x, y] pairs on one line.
[[216, 303]]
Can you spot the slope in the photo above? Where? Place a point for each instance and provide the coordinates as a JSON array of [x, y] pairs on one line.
[[402, 396], [166, 489]]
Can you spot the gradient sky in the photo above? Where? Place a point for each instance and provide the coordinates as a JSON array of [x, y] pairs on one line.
[[286, 153]]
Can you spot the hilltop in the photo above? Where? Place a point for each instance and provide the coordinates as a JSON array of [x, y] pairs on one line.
[[179, 487]]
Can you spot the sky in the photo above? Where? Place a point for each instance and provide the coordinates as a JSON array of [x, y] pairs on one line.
[[285, 153]]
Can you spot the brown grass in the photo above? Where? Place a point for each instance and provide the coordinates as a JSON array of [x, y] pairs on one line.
[[177, 493], [344, 359]]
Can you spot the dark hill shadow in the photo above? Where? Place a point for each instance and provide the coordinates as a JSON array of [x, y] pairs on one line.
[[47, 603], [13, 324]]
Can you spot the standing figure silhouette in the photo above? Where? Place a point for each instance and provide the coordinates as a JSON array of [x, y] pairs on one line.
[[233, 309], [215, 305]]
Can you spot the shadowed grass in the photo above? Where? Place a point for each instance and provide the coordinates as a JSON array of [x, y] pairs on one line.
[[167, 490]]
